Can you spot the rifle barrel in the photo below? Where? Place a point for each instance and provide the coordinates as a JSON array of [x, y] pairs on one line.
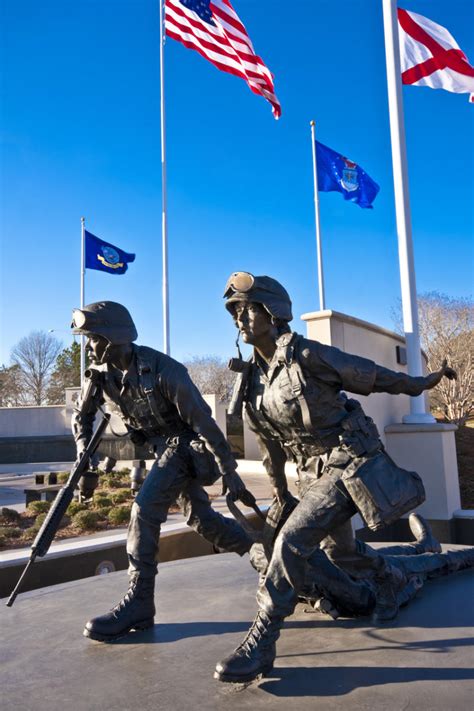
[[15, 592]]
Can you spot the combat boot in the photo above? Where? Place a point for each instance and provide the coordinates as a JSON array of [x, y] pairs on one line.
[[386, 603], [135, 611], [255, 656], [424, 539]]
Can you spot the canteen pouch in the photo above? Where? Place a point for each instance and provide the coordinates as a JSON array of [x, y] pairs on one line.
[[382, 491]]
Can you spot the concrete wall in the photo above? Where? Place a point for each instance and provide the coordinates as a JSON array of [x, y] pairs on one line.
[[42, 434], [46, 421], [364, 339]]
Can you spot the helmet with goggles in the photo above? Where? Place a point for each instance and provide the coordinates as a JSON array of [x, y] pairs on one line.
[[243, 286], [108, 319]]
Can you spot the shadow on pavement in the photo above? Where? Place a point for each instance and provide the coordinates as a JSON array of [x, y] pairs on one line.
[[339, 681]]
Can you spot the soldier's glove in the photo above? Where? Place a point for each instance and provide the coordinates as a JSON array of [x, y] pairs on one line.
[[448, 372], [232, 483], [88, 484], [444, 372]]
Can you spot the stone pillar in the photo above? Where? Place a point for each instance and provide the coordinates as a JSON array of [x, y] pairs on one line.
[[72, 398], [430, 450], [218, 412], [251, 448]]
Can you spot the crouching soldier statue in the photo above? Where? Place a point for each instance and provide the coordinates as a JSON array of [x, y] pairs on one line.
[[291, 392], [161, 407]]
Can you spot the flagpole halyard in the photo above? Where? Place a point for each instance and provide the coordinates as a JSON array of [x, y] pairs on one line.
[[317, 223], [164, 221], [83, 275], [418, 412]]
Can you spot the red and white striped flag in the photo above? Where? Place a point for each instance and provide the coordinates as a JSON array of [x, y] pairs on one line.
[[430, 56], [213, 29]]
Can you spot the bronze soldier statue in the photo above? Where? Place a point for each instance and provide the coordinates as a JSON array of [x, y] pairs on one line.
[[161, 407], [291, 390]]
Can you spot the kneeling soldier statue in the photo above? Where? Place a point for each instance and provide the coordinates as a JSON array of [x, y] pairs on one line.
[[291, 392], [161, 407]]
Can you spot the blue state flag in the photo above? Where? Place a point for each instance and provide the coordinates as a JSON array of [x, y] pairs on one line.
[[335, 172], [105, 256]]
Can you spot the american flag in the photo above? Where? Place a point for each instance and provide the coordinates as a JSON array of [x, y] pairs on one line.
[[213, 29]]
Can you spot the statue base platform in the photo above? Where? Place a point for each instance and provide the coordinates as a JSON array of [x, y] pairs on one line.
[[423, 660]]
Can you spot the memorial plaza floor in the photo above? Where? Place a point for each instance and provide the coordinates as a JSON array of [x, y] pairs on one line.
[[204, 606]]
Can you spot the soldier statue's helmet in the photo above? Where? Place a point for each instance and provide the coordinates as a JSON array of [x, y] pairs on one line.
[[243, 286], [108, 319]]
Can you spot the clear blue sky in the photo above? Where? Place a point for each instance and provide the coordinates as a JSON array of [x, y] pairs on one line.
[[80, 135]]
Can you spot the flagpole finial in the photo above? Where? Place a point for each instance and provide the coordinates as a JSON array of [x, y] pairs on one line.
[[312, 122], [83, 219]]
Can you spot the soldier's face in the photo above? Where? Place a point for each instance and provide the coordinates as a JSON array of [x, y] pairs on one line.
[[95, 347], [253, 322]]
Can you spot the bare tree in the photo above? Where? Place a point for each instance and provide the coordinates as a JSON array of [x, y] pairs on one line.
[[35, 355], [66, 374], [212, 376], [11, 393], [447, 331]]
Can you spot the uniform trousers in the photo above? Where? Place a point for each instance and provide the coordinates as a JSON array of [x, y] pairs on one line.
[[175, 478], [320, 520]]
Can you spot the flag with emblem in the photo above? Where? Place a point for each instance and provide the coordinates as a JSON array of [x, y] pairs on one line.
[[335, 172], [104, 256], [430, 56], [213, 28]]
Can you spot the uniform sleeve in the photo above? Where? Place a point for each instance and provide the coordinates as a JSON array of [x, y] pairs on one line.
[[389, 381], [342, 370], [177, 387], [274, 459], [83, 416]]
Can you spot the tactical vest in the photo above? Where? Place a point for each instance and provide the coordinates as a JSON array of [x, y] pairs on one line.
[[142, 407], [305, 435]]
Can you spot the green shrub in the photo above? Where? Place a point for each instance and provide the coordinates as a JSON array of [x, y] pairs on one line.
[[63, 477], [39, 507], [9, 515], [86, 520], [125, 472], [74, 508], [39, 521], [100, 500], [10, 532], [114, 482], [121, 496], [15, 532], [104, 512], [121, 514], [3, 540]]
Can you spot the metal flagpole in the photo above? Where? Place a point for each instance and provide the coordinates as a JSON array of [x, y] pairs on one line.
[[83, 274], [164, 224], [418, 412], [316, 218]]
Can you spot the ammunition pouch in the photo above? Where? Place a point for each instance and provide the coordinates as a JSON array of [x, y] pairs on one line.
[[204, 467], [382, 491], [359, 434]]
